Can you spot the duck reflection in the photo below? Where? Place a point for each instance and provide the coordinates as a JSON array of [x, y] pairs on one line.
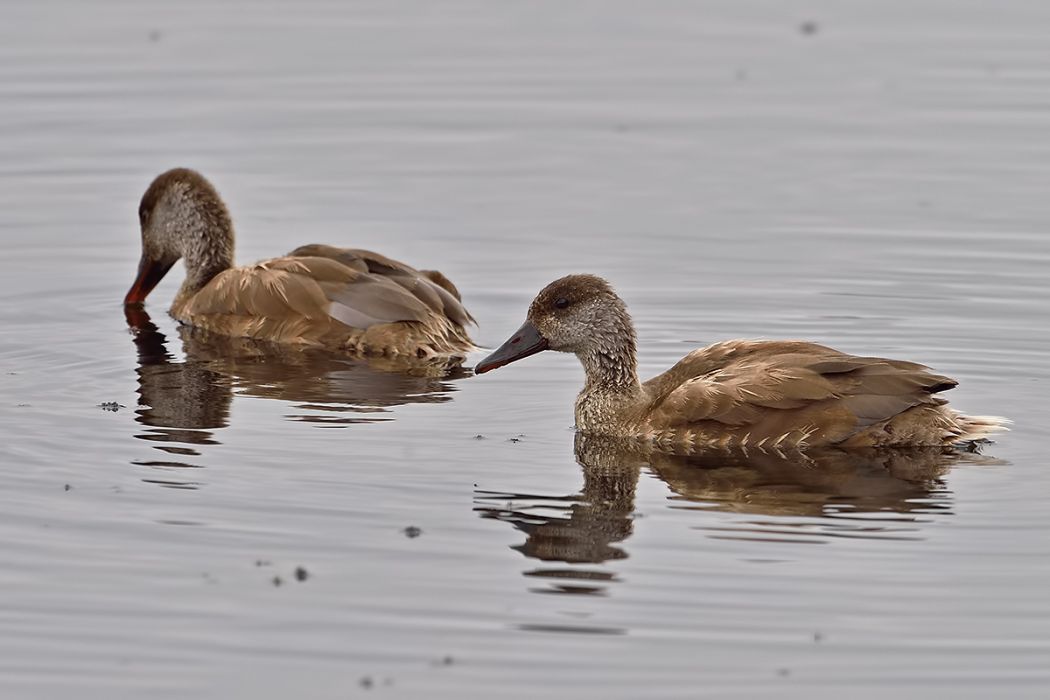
[[792, 497], [183, 402]]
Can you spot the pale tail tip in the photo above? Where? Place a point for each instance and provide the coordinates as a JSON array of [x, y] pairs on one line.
[[976, 428]]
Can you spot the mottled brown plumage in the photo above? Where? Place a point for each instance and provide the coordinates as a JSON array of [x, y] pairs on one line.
[[761, 394], [341, 299]]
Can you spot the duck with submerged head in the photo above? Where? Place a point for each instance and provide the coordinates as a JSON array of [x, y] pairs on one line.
[[764, 394], [317, 295]]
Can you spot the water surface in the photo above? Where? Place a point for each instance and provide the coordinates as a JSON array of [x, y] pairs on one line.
[[875, 181]]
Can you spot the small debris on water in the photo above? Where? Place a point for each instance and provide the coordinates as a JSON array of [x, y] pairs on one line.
[[809, 28], [262, 562], [367, 682], [277, 581], [818, 637], [67, 487], [301, 574], [975, 446], [111, 406], [783, 672], [446, 661], [412, 531], [479, 436]]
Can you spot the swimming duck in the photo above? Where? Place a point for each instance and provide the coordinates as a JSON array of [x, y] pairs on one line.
[[764, 394], [317, 295]]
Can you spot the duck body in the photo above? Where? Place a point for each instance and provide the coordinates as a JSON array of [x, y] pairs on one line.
[[772, 394], [337, 298], [739, 394], [322, 296]]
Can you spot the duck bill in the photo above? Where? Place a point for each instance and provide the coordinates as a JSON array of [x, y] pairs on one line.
[[526, 341], [150, 273]]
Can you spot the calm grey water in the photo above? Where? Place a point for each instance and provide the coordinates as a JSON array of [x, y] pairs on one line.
[[878, 183]]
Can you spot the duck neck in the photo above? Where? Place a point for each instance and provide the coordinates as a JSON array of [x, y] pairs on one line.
[[612, 370], [207, 249], [612, 387]]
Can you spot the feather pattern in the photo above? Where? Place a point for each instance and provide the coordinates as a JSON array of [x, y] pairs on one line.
[[772, 393], [321, 301]]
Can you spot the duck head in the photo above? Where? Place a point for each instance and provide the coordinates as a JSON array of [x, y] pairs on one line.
[[580, 314], [181, 216]]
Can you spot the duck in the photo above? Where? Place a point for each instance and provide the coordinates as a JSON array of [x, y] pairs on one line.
[[735, 394], [343, 299]]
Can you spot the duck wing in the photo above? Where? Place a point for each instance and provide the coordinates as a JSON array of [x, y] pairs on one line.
[[309, 289], [429, 286], [765, 390]]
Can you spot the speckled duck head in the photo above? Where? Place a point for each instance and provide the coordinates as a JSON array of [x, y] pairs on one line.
[[580, 314], [181, 216]]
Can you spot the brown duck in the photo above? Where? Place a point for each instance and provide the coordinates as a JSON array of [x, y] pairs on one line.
[[317, 295], [764, 394]]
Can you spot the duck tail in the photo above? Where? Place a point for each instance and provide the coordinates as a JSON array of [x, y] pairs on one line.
[[978, 428]]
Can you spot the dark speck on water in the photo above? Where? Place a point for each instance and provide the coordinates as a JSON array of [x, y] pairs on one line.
[[111, 406], [412, 531], [367, 682], [277, 581], [809, 28], [301, 574]]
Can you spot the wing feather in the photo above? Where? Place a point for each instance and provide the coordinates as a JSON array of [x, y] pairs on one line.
[[430, 287], [765, 387]]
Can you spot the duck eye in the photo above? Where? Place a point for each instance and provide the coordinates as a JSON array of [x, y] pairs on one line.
[[562, 303]]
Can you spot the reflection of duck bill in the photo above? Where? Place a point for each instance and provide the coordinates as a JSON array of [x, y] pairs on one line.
[[138, 319]]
